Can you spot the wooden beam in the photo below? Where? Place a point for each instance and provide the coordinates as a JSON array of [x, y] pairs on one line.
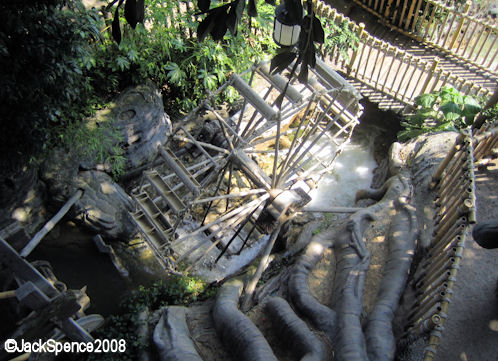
[[50, 224], [22, 269]]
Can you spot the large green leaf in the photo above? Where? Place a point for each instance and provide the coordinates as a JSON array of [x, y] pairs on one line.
[[470, 109], [451, 111], [426, 100], [175, 74]]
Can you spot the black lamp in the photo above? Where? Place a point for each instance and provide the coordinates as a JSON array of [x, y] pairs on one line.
[[285, 29]]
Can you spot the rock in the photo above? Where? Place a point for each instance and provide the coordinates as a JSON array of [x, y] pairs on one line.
[[172, 338], [139, 116], [104, 205]]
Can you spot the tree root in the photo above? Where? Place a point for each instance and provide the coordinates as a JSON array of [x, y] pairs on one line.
[[402, 236], [322, 317], [172, 338], [354, 260], [294, 331], [239, 335]]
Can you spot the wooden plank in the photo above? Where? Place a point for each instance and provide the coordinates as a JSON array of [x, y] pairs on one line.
[[173, 201], [176, 166], [51, 224], [19, 266]]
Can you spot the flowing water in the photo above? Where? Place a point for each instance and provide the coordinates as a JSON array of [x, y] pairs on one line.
[[352, 171]]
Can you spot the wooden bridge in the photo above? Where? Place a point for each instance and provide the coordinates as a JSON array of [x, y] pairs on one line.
[[391, 66]]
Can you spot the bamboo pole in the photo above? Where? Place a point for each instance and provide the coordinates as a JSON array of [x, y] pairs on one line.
[[7, 294], [384, 48], [251, 285], [234, 212], [395, 54], [449, 30], [417, 12], [481, 32], [405, 55], [388, 8], [441, 29], [454, 242], [442, 166], [464, 50], [460, 24], [376, 58], [434, 338], [360, 30], [227, 196], [50, 224], [430, 24], [403, 12], [430, 74]]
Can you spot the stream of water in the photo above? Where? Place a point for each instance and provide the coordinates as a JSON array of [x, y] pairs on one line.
[[353, 170]]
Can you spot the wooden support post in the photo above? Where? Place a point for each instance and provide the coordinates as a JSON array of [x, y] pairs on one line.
[[434, 65], [19, 266], [492, 101], [460, 25], [50, 224], [360, 31]]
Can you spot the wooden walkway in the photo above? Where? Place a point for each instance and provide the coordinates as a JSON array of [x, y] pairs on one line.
[[391, 69], [427, 53]]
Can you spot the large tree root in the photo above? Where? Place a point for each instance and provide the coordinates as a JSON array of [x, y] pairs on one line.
[[172, 338], [352, 265], [239, 335], [322, 317], [402, 236], [294, 331]]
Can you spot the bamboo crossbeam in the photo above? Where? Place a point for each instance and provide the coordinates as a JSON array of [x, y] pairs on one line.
[[50, 224], [203, 145], [227, 196], [223, 218]]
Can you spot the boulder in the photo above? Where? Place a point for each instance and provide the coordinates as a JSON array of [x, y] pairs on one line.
[[104, 205], [139, 116]]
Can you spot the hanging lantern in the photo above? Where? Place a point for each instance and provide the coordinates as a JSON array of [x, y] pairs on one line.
[[285, 30]]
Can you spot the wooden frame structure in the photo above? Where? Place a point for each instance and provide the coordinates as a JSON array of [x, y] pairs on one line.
[[230, 194]]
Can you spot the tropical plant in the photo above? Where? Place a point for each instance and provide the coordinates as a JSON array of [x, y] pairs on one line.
[[184, 68], [339, 38], [173, 290], [443, 110], [43, 84]]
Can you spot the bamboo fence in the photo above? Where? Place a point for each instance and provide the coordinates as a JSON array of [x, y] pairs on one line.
[[449, 29], [454, 186], [389, 69]]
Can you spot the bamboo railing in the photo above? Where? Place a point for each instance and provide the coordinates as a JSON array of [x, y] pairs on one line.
[[453, 183], [449, 29], [390, 69]]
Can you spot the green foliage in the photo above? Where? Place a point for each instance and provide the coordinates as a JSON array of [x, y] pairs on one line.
[[96, 142], [339, 38], [491, 114], [166, 52], [442, 110], [43, 82], [174, 290]]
